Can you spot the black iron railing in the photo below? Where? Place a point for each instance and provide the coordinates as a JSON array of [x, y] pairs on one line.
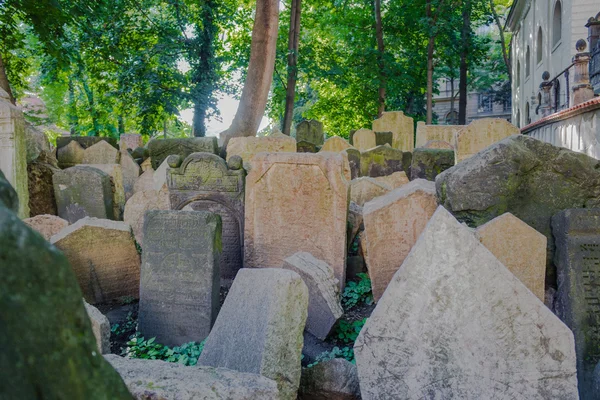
[[561, 91], [595, 68]]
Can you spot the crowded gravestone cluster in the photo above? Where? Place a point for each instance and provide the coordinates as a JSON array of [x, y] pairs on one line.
[[482, 247]]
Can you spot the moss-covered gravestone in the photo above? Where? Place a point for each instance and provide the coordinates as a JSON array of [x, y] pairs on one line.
[[384, 160], [428, 163], [47, 348]]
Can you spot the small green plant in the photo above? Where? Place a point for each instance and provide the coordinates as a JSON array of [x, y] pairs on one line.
[[357, 292], [124, 300], [186, 354], [129, 325], [346, 352], [347, 332]]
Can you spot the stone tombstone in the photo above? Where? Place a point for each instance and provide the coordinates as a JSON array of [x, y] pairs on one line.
[[160, 149], [259, 328], [84, 141], [401, 126], [438, 144], [364, 139], [429, 163], [519, 247], [297, 202], [248, 147], [427, 133], [365, 189], [454, 323], [13, 151], [83, 191], [144, 182], [104, 258], [179, 284], [41, 190], [334, 379], [130, 141], [306, 147], [70, 155], [310, 131], [480, 134], [384, 160], [577, 233], [205, 182], [136, 208], [382, 138], [131, 171], [393, 223], [324, 307], [353, 161], [100, 327], [37, 142], [101, 153], [116, 184], [48, 348], [46, 225], [335, 144], [394, 180]]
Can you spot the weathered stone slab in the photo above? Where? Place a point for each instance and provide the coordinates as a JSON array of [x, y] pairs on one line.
[[454, 323], [429, 163], [428, 133], [530, 179], [310, 131], [365, 189], [324, 307], [480, 134], [130, 141], [335, 379], [103, 256], [519, 247], [44, 324], [382, 138], [577, 233], [401, 126], [393, 223], [384, 160], [394, 180], [84, 141], [306, 147], [70, 155], [353, 161], [364, 139], [116, 184], [101, 153], [296, 202], [204, 182], [46, 225], [144, 182], [438, 144], [335, 144], [13, 151], [136, 208], [36, 141], [248, 147], [160, 149], [179, 287], [41, 190], [259, 329], [131, 171], [83, 191], [100, 327], [159, 177], [160, 380]]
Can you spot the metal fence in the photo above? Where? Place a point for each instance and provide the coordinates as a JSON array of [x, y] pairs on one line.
[[595, 68]]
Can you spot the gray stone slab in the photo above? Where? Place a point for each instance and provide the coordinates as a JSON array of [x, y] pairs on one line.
[[160, 149], [429, 163], [310, 131], [179, 283], [384, 160], [335, 379], [382, 138], [84, 141], [100, 327]]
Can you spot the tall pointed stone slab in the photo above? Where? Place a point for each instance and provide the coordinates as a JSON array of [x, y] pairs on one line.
[[401, 126], [205, 182], [364, 139], [480, 134], [259, 329], [335, 144], [297, 202], [393, 223], [13, 151], [179, 285], [84, 141], [454, 323], [104, 258], [160, 149], [310, 131], [70, 155], [519, 247], [248, 147], [101, 153], [577, 233]]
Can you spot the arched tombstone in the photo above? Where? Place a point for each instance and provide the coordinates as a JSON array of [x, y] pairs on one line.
[[205, 182]]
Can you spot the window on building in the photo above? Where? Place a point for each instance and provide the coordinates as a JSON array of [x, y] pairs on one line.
[[539, 45], [557, 23], [452, 118], [518, 73], [486, 103], [527, 67]]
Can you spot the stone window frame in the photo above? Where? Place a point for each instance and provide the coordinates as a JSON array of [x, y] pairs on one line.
[[539, 46], [557, 24]]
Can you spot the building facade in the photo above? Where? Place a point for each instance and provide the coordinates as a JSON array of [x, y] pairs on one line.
[[544, 37]]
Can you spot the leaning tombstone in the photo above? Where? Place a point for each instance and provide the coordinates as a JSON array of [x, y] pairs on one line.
[[104, 258], [401, 126], [160, 149], [83, 191], [131, 171], [179, 284], [454, 323], [310, 131], [205, 182], [384, 160], [101, 153], [577, 233], [259, 328], [100, 327]]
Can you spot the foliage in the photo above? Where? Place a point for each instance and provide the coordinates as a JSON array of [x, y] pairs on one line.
[[347, 332], [346, 352], [129, 325], [186, 354], [356, 293]]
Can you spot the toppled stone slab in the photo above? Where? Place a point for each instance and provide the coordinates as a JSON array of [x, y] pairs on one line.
[[324, 307], [259, 329], [335, 144], [100, 327], [383, 161], [454, 323], [365, 189], [429, 163], [104, 258], [160, 380], [401, 126], [310, 131], [480, 134], [335, 379], [160, 149], [46, 225], [248, 147]]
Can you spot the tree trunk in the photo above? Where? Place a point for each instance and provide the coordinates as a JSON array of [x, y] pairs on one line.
[[4, 84], [430, 45], [464, 64], [505, 50], [293, 43], [452, 98], [260, 72], [380, 59]]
